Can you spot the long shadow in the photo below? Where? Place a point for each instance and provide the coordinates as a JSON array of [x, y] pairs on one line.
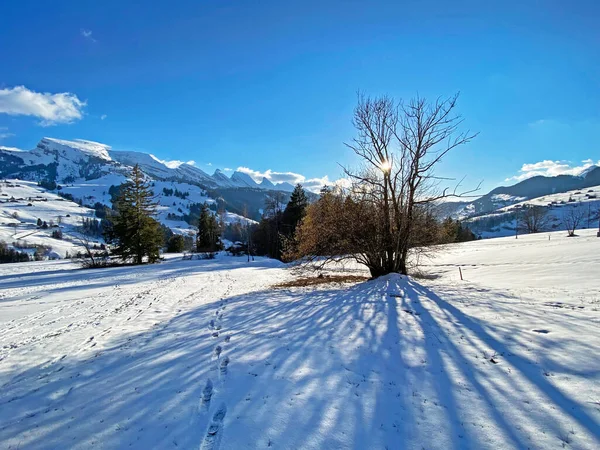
[[327, 368], [154, 379], [524, 365], [77, 280], [446, 387]]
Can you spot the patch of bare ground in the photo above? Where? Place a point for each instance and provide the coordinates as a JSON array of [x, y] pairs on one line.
[[321, 279]]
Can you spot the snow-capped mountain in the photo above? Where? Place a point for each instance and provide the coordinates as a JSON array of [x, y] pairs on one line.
[[64, 161], [221, 179], [266, 184], [241, 179], [285, 186], [88, 172], [55, 159]]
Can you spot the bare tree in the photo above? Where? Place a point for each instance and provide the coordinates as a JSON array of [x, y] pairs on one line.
[[92, 257], [572, 218], [274, 206], [399, 145], [533, 219], [247, 230]]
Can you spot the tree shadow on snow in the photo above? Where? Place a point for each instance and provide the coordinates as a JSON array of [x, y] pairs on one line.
[[375, 365]]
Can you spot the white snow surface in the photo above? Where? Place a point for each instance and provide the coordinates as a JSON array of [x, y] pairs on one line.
[[16, 195], [120, 357]]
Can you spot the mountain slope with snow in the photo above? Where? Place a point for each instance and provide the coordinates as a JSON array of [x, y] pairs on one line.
[[503, 221], [65, 161], [88, 171]]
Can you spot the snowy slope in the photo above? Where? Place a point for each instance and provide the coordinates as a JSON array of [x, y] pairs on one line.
[[221, 179], [16, 195], [285, 186], [120, 358], [22, 203], [266, 184], [241, 179], [557, 205]]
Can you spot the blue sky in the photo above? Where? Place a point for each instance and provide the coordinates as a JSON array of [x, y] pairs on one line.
[[271, 85]]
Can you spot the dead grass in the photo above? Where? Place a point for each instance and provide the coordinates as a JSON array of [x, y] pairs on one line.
[[424, 276], [321, 279]]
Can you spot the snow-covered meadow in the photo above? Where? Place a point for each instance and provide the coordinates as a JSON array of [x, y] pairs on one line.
[[120, 357]]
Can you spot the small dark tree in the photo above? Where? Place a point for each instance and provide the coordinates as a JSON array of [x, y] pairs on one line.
[[10, 255], [176, 244], [134, 231], [39, 222], [208, 231]]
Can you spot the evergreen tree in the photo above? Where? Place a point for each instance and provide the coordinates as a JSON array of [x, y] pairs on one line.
[[208, 231], [176, 244], [134, 231], [295, 210]]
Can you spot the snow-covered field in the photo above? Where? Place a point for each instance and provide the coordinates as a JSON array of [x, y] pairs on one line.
[[120, 357]]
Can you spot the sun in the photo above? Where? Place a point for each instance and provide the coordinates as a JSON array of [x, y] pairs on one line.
[[385, 166]]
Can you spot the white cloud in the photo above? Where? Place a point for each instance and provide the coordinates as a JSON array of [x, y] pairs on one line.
[[209, 164], [549, 168], [4, 133], [87, 34], [311, 184], [227, 169], [541, 122], [51, 108], [103, 116]]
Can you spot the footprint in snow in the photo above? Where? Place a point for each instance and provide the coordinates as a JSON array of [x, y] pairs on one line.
[[207, 393], [213, 434], [223, 365]]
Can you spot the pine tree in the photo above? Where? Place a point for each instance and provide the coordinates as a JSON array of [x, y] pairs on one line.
[[295, 210], [208, 231], [134, 231]]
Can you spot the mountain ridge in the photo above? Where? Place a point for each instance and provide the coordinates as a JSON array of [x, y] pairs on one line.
[[527, 189], [62, 160]]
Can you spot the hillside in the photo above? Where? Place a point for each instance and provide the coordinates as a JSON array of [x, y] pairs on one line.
[[502, 221], [22, 203], [122, 358], [76, 176], [528, 189]]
